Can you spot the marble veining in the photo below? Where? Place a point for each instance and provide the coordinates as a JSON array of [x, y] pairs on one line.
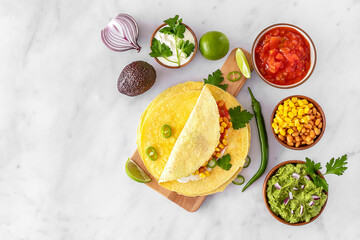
[[66, 132]]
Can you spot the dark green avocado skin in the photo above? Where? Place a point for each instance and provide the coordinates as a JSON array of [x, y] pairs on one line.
[[136, 78]]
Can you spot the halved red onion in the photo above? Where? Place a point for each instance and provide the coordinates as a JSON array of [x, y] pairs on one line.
[[295, 189], [121, 34], [311, 203], [315, 197], [296, 175], [307, 177], [302, 186], [277, 185], [286, 201], [301, 209], [290, 195]]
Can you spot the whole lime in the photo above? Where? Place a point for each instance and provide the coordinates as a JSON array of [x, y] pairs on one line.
[[214, 45]]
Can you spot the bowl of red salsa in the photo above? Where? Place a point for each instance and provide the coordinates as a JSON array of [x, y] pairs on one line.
[[284, 55]]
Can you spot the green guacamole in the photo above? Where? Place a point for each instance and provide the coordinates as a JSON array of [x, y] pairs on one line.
[[302, 198]]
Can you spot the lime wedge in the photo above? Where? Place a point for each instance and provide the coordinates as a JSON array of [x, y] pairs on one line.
[[135, 172], [243, 63]]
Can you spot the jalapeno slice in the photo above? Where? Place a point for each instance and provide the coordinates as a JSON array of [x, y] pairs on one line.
[[239, 180], [234, 76], [247, 162], [166, 131], [211, 163], [151, 153]]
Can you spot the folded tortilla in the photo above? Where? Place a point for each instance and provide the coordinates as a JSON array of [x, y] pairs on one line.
[[174, 107], [197, 141]]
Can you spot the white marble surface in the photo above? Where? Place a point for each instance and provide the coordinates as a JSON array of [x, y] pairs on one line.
[[66, 132]]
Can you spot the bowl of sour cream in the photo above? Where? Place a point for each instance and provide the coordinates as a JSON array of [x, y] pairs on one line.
[[182, 50]]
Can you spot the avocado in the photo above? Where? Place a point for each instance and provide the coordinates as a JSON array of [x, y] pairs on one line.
[[136, 78]]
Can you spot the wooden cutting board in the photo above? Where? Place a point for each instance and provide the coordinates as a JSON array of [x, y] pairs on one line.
[[192, 204]]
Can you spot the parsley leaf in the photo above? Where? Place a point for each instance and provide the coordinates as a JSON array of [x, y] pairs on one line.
[[239, 118], [333, 167], [215, 79], [224, 162], [336, 167], [159, 50], [185, 47], [174, 27]]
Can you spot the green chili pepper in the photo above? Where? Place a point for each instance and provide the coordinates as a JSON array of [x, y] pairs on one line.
[[166, 131], [151, 153], [211, 163], [263, 140]]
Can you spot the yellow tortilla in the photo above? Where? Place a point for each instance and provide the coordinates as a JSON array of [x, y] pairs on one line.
[[197, 141], [182, 95]]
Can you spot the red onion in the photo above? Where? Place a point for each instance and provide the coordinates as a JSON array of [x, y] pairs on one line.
[[296, 176], [290, 195], [292, 211], [277, 185], [286, 201], [311, 203], [302, 186], [315, 197], [121, 34], [307, 177], [301, 209], [295, 189]]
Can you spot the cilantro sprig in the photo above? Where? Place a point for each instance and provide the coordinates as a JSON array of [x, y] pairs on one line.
[[332, 167], [239, 117], [216, 79], [175, 28], [224, 162]]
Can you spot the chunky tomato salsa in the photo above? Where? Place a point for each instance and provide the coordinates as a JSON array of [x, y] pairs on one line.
[[283, 56]]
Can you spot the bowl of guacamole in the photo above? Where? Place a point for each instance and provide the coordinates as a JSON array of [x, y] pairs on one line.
[[291, 196]]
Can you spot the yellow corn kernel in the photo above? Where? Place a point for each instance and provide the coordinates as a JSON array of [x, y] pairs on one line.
[[223, 124], [299, 128], [286, 108], [290, 131], [217, 149], [305, 101], [221, 129], [291, 115], [304, 120], [301, 112], [294, 99], [297, 122], [275, 120], [310, 105], [225, 136], [285, 114], [221, 119], [281, 107], [225, 142], [207, 173], [230, 124], [218, 155], [202, 175], [291, 104], [196, 172], [294, 111], [291, 124], [279, 119], [276, 130], [301, 103], [282, 132], [225, 131], [221, 146], [306, 110], [287, 119], [274, 125]]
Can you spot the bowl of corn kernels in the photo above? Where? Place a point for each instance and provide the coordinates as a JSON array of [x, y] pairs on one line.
[[298, 122]]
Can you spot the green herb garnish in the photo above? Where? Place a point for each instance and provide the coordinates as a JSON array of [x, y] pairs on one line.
[[239, 117], [224, 162], [177, 29], [215, 79], [333, 167]]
